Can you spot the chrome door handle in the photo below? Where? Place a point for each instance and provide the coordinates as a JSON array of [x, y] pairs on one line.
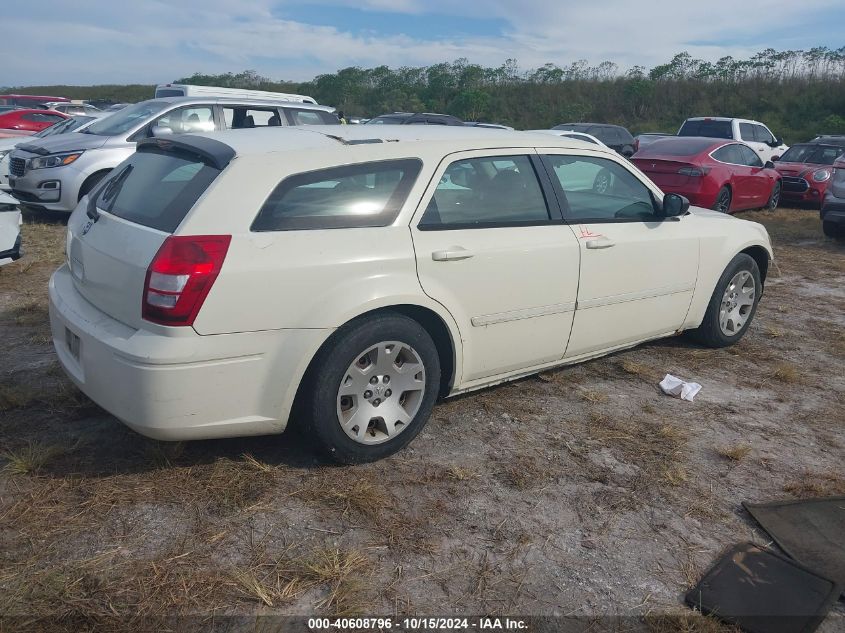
[[451, 254], [602, 242]]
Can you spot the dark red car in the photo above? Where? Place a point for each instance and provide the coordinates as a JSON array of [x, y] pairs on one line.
[[29, 120], [712, 173], [807, 168]]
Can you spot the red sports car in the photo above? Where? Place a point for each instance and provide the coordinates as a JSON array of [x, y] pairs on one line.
[[807, 168], [712, 173], [29, 120]]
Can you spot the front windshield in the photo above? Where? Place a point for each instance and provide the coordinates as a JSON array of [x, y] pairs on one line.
[[126, 119], [815, 154], [62, 127]]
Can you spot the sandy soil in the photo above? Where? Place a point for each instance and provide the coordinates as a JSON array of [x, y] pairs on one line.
[[581, 492]]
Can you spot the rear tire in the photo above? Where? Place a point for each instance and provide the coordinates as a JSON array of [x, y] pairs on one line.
[[717, 329], [371, 388], [723, 200], [774, 199], [831, 229]]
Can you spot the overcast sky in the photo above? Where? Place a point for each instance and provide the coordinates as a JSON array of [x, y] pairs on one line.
[[156, 41]]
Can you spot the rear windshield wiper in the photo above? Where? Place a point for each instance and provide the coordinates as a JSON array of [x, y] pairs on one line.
[[108, 193]]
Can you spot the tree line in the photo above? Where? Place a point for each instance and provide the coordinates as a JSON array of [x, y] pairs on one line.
[[797, 93]]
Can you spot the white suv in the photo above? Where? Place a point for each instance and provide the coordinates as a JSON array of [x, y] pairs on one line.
[[753, 133], [216, 283]]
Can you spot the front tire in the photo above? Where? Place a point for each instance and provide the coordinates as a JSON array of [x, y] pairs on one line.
[[372, 388], [733, 304]]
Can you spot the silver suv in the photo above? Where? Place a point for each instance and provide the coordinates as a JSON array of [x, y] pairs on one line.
[[55, 173]]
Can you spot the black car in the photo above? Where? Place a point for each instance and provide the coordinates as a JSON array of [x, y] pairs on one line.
[[614, 136], [414, 118], [833, 205]]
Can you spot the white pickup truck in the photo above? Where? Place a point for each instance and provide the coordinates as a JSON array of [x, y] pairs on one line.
[[752, 133]]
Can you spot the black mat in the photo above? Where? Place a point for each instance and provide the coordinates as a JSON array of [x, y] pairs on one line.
[[763, 592], [812, 531]]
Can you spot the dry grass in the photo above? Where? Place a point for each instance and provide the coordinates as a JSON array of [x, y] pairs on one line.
[[349, 491], [338, 573], [812, 484], [593, 396], [734, 453], [30, 459], [786, 372], [688, 622], [17, 396], [634, 368], [524, 472]]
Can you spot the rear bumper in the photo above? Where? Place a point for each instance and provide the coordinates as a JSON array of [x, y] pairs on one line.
[[180, 387]]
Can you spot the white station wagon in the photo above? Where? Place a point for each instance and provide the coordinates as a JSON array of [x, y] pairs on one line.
[[220, 285]]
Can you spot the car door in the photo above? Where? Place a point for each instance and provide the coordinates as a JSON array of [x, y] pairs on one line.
[[749, 134], [638, 269], [758, 183], [741, 176], [492, 248]]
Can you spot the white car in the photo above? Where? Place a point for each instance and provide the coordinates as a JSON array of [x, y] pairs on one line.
[[10, 229], [217, 283], [753, 133]]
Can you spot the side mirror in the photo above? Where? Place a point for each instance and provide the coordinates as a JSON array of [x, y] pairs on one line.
[[775, 159], [627, 151], [674, 205], [769, 165], [159, 130]]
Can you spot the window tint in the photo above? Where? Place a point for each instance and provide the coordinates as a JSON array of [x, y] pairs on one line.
[[126, 119], [710, 129], [240, 117], [749, 156], [762, 135], [366, 194], [729, 154], [489, 191], [746, 132], [42, 118], [154, 188], [298, 116], [675, 146], [597, 189], [187, 120]]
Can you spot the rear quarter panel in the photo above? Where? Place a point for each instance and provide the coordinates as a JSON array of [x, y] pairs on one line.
[[306, 278]]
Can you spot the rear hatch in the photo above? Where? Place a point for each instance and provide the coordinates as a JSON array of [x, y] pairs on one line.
[[114, 237]]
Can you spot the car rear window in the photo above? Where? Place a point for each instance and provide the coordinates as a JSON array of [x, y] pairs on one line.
[[676, 146], [365, 194], [155, 188], [710, 129]]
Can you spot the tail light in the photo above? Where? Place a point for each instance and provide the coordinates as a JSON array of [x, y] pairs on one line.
[[180, 277], [694, 171]]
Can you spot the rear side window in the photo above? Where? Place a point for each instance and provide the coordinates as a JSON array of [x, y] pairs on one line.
[[154, 188], [366, 194], [298, 116], [240, 117], [710, 129], [746, 131]]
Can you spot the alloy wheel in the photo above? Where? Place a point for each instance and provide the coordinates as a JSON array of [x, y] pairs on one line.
[[380, 393], [737, 303]]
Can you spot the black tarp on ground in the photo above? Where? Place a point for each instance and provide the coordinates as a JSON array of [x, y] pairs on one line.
[[763, 592], [812, 531]]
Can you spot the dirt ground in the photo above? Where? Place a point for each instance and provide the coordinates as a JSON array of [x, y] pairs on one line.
[[581, 492]]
